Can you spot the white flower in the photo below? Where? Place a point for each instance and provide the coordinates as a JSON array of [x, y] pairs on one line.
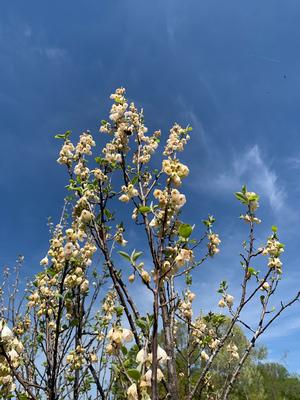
[[162, 356], [17, 345], [148, 376], [132, 393], [204, 355], [229, 299], [124, 198], [265, 286], [222, 303], [127, 335], [142, 356], [13, 355], [44, 261], [6, 333]]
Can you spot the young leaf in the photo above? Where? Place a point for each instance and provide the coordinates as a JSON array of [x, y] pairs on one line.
[[241, 197], [63, 136], [134, 374], [185, 230], [144, 209], [135, 255], [141, 323], [125, 255]]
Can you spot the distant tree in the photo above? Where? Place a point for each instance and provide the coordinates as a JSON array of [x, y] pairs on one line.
[[278, 383], [249, 385]]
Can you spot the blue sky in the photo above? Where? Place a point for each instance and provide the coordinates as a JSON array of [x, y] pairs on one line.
[[230, 69]]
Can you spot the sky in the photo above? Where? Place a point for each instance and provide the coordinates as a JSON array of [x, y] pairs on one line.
[[230, 69]]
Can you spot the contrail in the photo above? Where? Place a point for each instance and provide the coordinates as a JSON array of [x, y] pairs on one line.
[[274, 60]]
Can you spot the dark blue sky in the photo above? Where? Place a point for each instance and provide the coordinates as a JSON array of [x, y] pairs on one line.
[[231, 69]]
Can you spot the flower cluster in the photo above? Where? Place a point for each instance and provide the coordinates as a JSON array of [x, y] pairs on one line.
[[144, 359], [66, 153], [250, 218], [250, 199], [85, 144], [184, 257], [82, 170], [124, 122], [99, 175], [128, 193], [108, 308], [170, 202], [118, 237], [175, 169], [117, 337], [185, 306], [226, 301], [274, 249], [148, 146], [127, 120], [22, 324], [68, 258], [178, 138], [76, 358], [213, 244], [233, 351], [69, 153], [11, 349], [118, 109], [199, 329], [176, 259]]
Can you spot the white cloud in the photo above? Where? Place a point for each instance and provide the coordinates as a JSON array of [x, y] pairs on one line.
[[250, 168]]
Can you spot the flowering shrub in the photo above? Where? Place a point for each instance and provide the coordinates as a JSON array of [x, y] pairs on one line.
[[83, 334]]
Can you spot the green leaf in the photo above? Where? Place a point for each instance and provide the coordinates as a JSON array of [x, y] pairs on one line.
[[144, 209], [135, 255], [188, 279], [185, 230], [252, 271], [141, 323], [241, 197], [134, 374], [63, 136], [209, 221], [274, 228], [50, 271], [134, 180], [115, 368], [40, 338], [99, 160], [119, 311], [108, 214], [74, 322], [150, 319], [23, 396], [125, 255]]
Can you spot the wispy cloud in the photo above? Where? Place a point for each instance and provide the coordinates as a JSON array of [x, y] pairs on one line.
[[283, 328], [54, 53], [251, 168], [293, 162]]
